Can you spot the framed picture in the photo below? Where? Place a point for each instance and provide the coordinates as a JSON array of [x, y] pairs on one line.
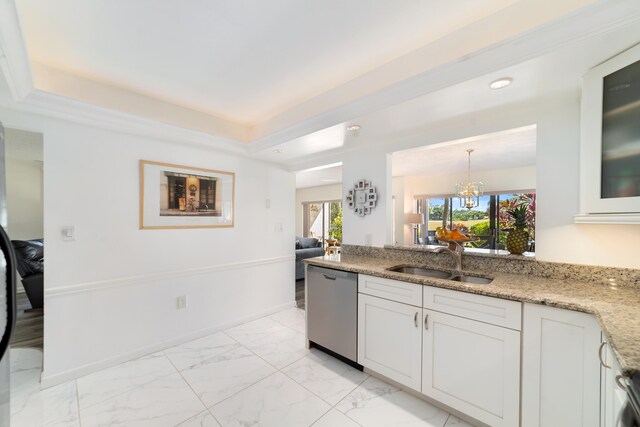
[[367, 210], [177, 196]]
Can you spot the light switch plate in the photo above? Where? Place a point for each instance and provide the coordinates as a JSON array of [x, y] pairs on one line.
[[68, 233]]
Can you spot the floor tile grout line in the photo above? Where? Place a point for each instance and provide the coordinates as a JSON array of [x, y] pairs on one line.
[[321, 416], [265, 360], [192, 390], [240, 391], [315, 394], [214, 417], [207, 359], [127, 390], [78, 403]]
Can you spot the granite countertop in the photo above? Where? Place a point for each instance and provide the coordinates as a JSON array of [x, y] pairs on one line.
[[616, 307]]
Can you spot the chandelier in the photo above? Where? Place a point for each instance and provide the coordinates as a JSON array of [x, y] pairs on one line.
[[469, 193]]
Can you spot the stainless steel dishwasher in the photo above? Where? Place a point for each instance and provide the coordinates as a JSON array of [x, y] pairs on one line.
[[332, 311]]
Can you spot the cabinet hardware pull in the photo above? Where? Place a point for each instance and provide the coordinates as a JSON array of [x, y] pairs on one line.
[[329, 277], [426, 322], [619, 383], [600, 355], [415, 319]]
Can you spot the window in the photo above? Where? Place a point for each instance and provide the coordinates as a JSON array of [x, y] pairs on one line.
[[489, 221], [322, 220]]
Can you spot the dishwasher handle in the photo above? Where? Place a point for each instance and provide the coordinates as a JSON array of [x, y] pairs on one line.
[[332, 274]]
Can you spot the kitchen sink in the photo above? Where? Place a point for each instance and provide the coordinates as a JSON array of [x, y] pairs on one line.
[[439, 274], [474, 280], [420, 271]]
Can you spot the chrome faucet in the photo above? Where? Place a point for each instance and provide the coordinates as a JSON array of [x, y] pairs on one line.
[[456, 254]]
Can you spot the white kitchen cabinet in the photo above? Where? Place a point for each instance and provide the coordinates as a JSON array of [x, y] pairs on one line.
[[612, 396], [390, 339], [560, 368], [473, 367]]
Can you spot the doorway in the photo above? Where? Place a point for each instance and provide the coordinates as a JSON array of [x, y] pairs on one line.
[[25, 227]]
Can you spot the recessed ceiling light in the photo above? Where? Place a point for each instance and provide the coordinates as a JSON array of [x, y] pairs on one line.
[[354, 129], [278, 151], [501, 83]]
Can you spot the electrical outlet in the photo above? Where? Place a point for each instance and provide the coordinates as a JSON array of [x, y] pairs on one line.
[[278, 227], [368, 239], [181, 302]]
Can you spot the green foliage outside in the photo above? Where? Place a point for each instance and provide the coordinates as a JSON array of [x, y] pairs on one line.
[[481, 229], [436, 212], [335, 229]]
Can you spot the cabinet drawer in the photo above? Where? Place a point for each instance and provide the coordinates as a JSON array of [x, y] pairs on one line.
[[394, 290], [495, 311]]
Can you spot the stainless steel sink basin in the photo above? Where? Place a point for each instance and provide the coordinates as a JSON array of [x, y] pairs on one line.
[[474, 280], [420, 271], [439, 274]]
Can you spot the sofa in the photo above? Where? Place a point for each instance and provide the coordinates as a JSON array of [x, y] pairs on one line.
[[306, 247], [30, 265]]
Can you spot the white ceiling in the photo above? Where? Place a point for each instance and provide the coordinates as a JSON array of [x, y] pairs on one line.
[[291, 76], [406, 123], [246, 61], [323, 175], [509, 149]]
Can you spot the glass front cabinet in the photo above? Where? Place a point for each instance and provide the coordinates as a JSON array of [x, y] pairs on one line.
[[610, 141]]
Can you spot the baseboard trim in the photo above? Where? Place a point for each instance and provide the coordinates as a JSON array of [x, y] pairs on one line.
[[47, 381], [134, 280]]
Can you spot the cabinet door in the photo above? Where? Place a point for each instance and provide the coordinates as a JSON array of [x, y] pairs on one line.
[[390, 339], [473, 367], [560, 368]]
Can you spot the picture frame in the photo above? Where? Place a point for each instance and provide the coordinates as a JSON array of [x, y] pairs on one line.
[[178, 196]]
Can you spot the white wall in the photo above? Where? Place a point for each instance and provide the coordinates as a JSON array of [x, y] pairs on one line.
[[314, 194], [375, 166], [558, 181], [558, 239], [397, 186], [25, 199], [111, 294]]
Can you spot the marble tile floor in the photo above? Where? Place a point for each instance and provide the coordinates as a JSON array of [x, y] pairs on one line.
[[255, 374]]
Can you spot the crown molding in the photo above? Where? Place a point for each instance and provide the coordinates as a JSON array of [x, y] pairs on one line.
[[14, 61], [55, 106]]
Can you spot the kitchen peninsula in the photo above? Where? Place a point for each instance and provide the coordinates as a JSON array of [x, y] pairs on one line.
[[570, 331]]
